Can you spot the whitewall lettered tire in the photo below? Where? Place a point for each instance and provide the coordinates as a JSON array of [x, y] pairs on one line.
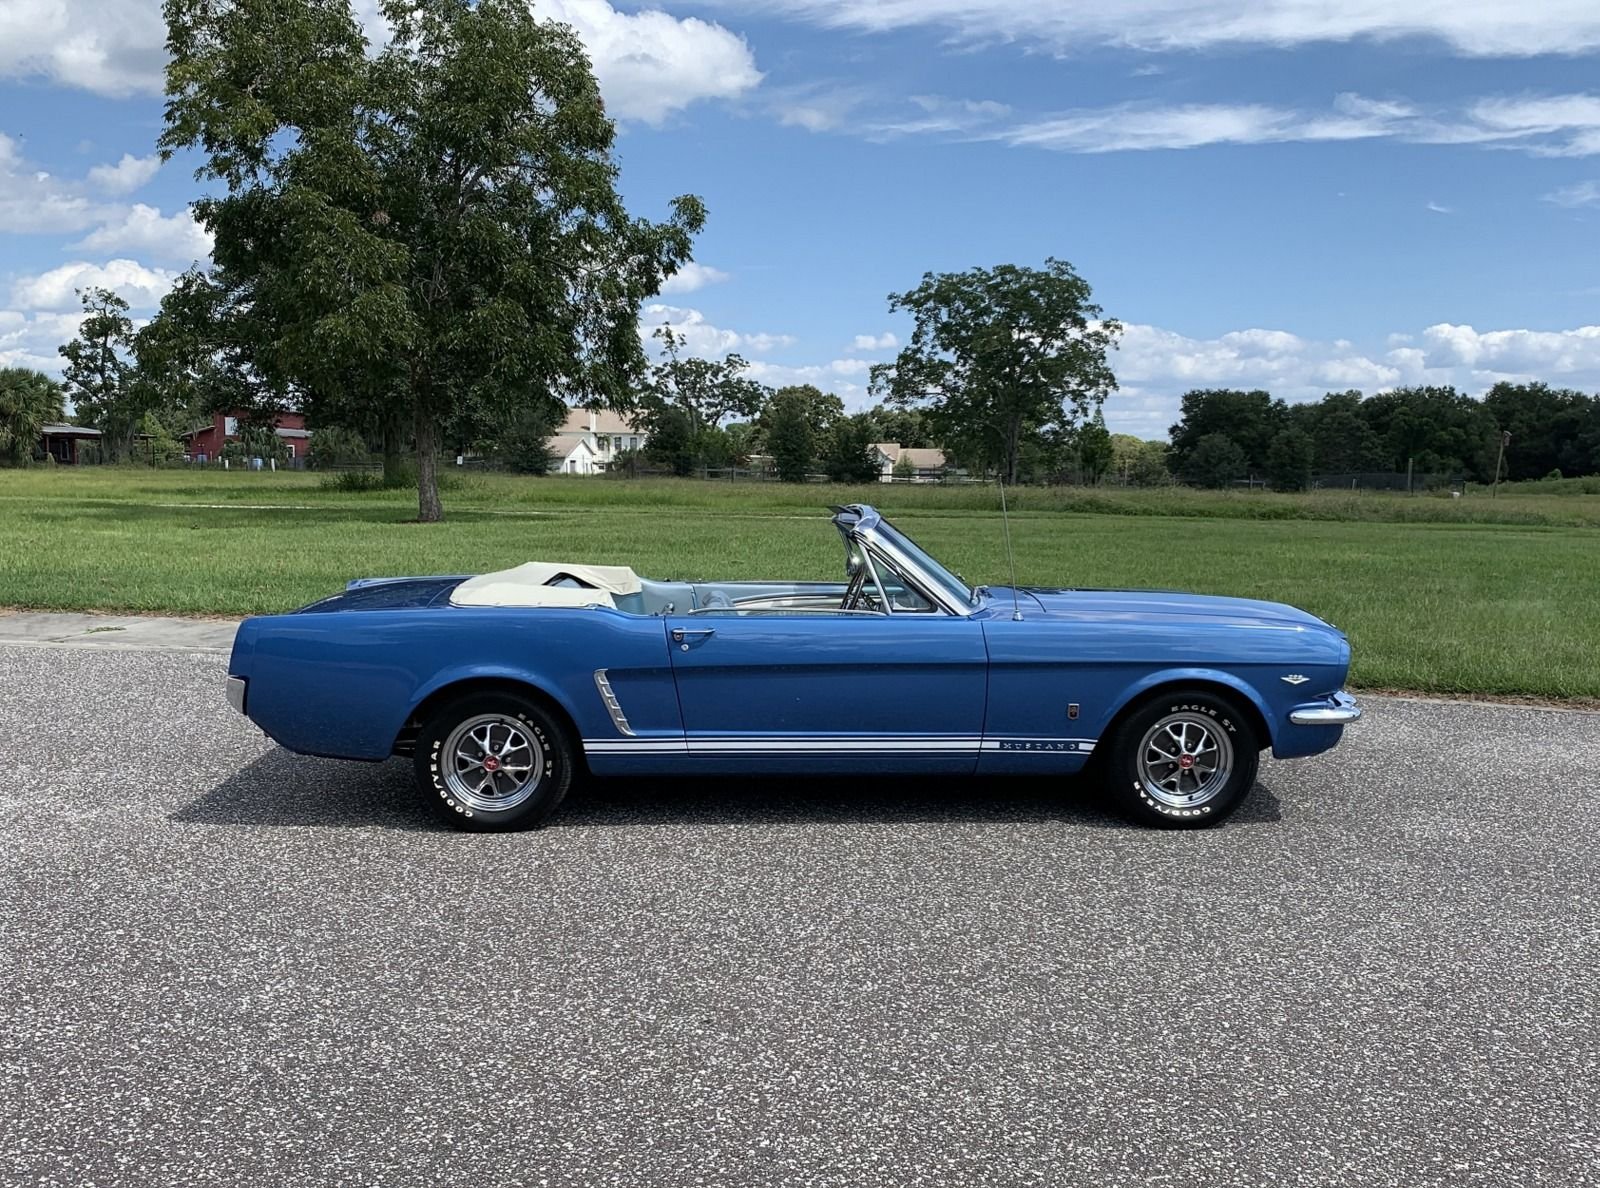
[[494, 761], [1183, 759]]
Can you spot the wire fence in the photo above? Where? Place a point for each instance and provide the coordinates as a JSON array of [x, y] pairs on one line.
[[1388, 481], [92, 454]]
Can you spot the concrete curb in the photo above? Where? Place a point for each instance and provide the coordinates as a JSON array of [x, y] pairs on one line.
[[144, 633]]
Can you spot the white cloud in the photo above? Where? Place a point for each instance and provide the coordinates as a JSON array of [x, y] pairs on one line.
[[693, 276], [1548, 126], [760, 343], [139, 286], [845, 378], [111, 47], [32, 201], [1477, 27], [1585, 193], [127, 175], [143, 230], [1545, 125], [705, 340], [816, 106], [875, 342], [1156, 366], [650, 64], [1439, 208], [1538, 113], [1135, 126], [938, 114], [1558, 355], [30, 340]]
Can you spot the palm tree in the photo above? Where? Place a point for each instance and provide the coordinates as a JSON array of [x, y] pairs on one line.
[[29, 400]]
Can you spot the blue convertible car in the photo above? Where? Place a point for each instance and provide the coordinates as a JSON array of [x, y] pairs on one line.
[[505, 686]]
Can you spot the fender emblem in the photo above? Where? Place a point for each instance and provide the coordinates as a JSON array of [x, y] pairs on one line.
[[1295, 678]]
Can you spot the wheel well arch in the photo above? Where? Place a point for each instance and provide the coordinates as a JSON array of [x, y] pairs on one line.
[[1241, 697], [405, 741]]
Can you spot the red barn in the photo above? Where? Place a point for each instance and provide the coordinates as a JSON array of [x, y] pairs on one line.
[[207, 441]]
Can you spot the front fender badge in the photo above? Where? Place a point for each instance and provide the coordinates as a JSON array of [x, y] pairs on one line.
[[1295, 678]]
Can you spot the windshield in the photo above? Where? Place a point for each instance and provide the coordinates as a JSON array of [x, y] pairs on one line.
[[913, 552]]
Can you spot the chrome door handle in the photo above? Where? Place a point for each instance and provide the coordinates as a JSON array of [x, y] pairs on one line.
[[682, 634]]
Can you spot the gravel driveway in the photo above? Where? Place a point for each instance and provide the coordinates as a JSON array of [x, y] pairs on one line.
[[226, 965]]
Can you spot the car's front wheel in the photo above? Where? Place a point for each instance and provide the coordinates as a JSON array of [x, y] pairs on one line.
[[493, 761], [1183, 760]]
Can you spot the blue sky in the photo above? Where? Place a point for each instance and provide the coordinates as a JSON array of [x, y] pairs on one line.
[[1289, 194]]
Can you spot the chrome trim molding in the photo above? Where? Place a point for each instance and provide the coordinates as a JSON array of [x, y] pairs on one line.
[[885, 745], [1340, 710], [613, 706], [236, 692]]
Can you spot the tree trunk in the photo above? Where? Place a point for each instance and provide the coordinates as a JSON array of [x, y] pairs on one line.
[[392, 473], [429, 510], [1013, 452]]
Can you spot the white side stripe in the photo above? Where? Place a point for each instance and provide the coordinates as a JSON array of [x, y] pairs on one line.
[[901, 744]]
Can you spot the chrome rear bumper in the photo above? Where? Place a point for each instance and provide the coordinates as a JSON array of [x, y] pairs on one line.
[[236, 690], [1338, 710]]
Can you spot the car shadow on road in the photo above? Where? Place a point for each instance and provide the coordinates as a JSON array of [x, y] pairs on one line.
[[283, 789], [876, 800]]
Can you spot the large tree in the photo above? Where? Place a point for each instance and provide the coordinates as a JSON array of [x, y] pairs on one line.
[[1342, 440], [1433, 430], [849, 456], [29, 400], [1094, 447], [1139, 463], [686, 398], [422, 237], [100, 374], [1215, 461], [902, 426], [790, 436], [1290, 459], [1248, 419], [1551, 429], [821, 411], [999, 355]]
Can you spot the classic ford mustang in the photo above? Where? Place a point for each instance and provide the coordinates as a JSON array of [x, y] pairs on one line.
[[505, 686]]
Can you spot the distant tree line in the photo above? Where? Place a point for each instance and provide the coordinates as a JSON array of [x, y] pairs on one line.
[[1224, 435], [707, 414]]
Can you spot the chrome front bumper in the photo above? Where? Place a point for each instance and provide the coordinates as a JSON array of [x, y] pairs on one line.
[[1338, 710], [236, 689]]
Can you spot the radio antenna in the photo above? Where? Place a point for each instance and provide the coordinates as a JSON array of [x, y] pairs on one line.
[[1011, 558]]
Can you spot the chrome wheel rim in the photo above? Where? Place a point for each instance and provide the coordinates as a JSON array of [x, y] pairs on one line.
[[1185, 760], [492, 762]]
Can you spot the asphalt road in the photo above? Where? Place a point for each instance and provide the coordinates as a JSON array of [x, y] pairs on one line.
[[225, 965]]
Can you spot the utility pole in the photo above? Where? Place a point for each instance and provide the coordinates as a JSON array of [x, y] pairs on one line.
[[1505, 440]]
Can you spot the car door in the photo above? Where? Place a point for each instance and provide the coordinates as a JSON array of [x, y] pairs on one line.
[[830, 690]]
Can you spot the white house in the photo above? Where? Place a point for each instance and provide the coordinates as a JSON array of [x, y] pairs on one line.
[[926, 465], [588, 442]]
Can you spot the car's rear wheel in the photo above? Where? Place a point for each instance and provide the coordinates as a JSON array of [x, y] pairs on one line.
[[1183, 760], [493, 761]]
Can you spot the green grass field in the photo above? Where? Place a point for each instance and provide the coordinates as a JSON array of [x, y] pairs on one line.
[[1471, 595]]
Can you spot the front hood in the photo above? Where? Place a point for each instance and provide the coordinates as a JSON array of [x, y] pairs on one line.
[[1147, 606]]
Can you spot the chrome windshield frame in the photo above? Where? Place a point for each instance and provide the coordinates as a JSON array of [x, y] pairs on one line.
[[860, 522]]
